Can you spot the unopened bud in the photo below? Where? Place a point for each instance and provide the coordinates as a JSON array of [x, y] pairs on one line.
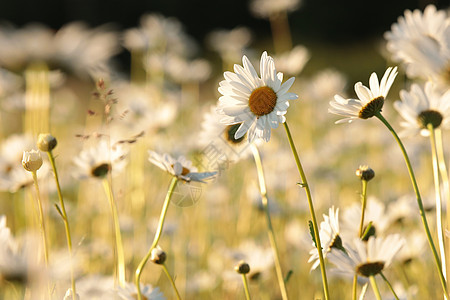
[[32, 160], [46, 142], [242, 267], [365, 173], [158, 256]]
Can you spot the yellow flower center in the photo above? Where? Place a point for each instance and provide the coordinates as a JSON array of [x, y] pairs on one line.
[[262, 101]]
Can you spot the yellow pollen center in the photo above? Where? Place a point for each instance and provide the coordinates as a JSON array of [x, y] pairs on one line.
[[262, 101]]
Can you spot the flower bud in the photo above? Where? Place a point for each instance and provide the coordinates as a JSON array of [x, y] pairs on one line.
[[242, 267], [158, 256], [32, 160], [365, 173], [46, 142]]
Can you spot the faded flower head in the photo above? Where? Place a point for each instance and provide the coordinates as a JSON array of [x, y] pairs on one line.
[[46, 142], [364, 172], [369, 102]]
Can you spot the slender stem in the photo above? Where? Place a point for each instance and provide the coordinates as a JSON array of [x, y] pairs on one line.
[[162, 218], [270, 231], [375, 289], [389, 285], [419, 202], [171, 281], [355, 287], [65, 220], [245, 282], [445, 180], [42, 226], [41, 218], [120, 264], [437, 192], [363, 205], [305, 185]]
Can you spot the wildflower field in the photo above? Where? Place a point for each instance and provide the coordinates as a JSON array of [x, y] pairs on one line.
[[223, 170]]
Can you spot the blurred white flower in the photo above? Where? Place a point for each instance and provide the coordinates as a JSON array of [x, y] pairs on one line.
[[182, 71], [180, 167], [97, 161], [293, 61], [32, 160], [267, 8], [230, 44], [259, 104], [422, 106], [421, 41], [148, 292], [96, 287], [218, 142], [159, 34], [369, 102]]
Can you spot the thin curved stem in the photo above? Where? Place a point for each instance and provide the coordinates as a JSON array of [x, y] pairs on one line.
[[270, 231], [162, 218], [419, 202], [374, 285], [363, 205], [171, 281], [65, 220], [120, 264], [245, 283], [437, 192], [305, 185], [389, 286]]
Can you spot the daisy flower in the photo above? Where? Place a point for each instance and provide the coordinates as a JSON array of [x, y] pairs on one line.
[[293, 61], [180, 167], [329, 236], [129, 292], [259, 104], [422, 106], [266, 8], [421, 42], [218, 141], [370, 101], [229, 43], [98, 161], [366, 258]]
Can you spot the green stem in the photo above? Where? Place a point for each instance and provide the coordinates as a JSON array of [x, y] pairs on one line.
[[120, 264], [41, 218], [437, 192], [162, 218], [245, 282], [363, 205], [65, 220], [389, 285], [305, 185], [375, 289], [171, 281], [419, 202], [355, 287], [445, 179], [270, 231], [42, 226]]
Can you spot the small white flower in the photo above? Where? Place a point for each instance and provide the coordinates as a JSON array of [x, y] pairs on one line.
[[366, 258], [268, 8], [129, 292], [230, 44], [329, 236], [259, 104], [98, 161], [369, 102], [422, 106], [180, 167], [293, 61], [32, 160]]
